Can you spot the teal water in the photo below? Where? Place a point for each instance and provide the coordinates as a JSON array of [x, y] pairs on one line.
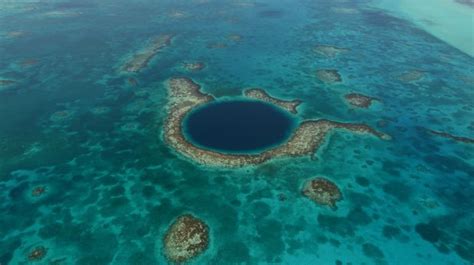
[[75, 125]]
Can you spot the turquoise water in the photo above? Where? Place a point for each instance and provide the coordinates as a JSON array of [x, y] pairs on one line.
[[449, 20], [75, 125]]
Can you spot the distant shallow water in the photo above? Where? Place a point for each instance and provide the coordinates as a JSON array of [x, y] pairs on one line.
[[448, 20], [238, 126]]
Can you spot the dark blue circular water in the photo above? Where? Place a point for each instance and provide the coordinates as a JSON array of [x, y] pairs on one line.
[[238, 126]]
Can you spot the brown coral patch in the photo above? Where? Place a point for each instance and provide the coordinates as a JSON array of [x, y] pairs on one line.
[[186, 238], [194, 66], [322, 191], [6, 82], [328, 76], [359, 100], [460, 139], [37, 253], [262, 95], [185, 95], [141, 59], [38, 191], [411, 76], [328, 51]]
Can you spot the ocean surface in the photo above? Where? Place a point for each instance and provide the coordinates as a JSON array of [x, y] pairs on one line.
[[91, 136]]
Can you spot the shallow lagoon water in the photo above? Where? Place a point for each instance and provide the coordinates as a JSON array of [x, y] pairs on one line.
[[74, 123], [450, 21]]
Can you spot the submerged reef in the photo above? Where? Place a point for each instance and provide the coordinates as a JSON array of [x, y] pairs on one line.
[[217, 45], [460, 139], [37, 253], [6, 82], [359, 100], [262, 95], [28, 62], [133, 82], [38, 191], [322, 191], [186, 238], [328, 51], [469, 3], [328, 76], [411, 76], [235, 37], [61, 116], [16, 34], [185, 95], [194, 66], [140, 59]]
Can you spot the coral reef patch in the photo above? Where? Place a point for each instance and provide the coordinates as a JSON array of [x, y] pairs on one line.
[[328, 51], [322, 191], [359, 100], [262, 95], [37, 253], [141, 59], [411, 76], [460, 139], [6, 82], [328, 76], [186, 238], [193, 66]]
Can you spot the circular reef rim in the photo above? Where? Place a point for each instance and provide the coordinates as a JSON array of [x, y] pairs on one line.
[[184, 95]]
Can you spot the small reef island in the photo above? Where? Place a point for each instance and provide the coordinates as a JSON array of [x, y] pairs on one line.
[[184, 95], [328, 76], [322, 191], [140, 59], [328, 51], [186, 238], [359, 100]]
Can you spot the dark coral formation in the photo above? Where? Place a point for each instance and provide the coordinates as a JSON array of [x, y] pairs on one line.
[[185, 95], [411, 76], [453, 237], [359, 100], [328, 76], [132, 81], [6, 82], [38, 191], [262, 95], [372, 251], [37, 253], [186, 238], [322, 191], [194, 66], [460, 139], [328, 51], [469, 3], [141, 59]]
